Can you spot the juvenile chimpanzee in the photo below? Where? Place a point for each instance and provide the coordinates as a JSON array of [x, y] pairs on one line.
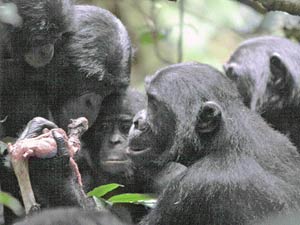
[[110, 134], [71, 216], [266, 71], [239, 169], [104, 158]]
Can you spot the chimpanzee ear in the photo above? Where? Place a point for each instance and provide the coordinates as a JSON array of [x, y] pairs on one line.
[[280, 72], [209, 117]]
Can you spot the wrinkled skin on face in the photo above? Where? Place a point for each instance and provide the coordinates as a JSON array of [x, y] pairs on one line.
[[266, 73]]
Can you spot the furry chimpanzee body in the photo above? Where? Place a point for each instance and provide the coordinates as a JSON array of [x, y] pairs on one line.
[[266, 71], [239, 169], [90, 62], [71, 216]]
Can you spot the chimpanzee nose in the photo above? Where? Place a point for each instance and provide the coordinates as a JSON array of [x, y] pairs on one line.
[[115, 139]]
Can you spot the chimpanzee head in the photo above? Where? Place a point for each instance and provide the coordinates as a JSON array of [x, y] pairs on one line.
[[43, 23], [111, 132], [184, 110], [266, 71], [92, 62]]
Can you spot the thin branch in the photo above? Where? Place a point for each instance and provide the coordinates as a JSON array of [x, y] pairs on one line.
[[289, 6], [180, 38], [152, 25]]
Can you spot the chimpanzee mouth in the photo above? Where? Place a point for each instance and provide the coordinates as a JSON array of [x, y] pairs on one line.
[[110, 162], [137, 151]]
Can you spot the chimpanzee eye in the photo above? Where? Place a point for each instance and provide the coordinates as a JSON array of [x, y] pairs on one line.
[[125, 127], [105, 125]]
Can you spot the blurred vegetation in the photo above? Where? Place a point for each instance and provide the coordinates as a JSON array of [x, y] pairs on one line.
[[206, 31]]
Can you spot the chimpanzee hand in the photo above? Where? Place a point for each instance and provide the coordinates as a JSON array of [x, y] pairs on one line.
[[35, 127], [51, 178]]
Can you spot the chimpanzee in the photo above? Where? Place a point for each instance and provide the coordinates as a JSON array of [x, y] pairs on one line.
[[239, 169], [109, 144], [71, 216], [265, 70]]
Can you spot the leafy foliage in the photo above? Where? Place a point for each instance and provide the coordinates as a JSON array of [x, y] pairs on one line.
[[12, 203], [132, 198], [103, 190]]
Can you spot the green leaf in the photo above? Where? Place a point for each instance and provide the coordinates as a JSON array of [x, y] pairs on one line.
[[12, 203], [142, 199], [147, 38], [103, 190]]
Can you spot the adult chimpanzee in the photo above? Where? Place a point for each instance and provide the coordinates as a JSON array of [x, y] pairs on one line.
[[239, 169], [266, 72], [71, 216], [93, 63]]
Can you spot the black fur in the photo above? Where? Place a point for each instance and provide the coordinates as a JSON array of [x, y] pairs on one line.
[[71, 216], [239, 169], [266, 72], [91, 61]]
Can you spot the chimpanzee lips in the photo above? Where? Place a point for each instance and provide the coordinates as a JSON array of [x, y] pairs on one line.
[[110, 162], [137, 151]]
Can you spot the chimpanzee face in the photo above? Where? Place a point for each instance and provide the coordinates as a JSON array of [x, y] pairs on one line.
[[152, 129], [111, 132], [111, 138], [175, 117]]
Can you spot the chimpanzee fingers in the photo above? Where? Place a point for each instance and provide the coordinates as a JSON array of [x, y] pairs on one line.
[[35, 127], [61, 144]]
